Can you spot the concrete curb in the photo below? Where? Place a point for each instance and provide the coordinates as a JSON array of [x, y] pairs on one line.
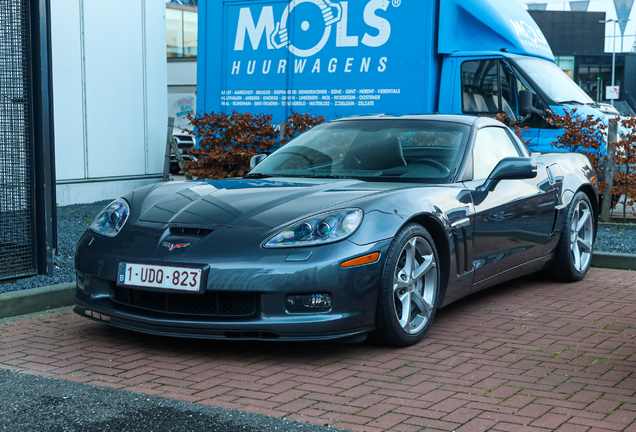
[[614, 260], [36, 300], [616, 225]]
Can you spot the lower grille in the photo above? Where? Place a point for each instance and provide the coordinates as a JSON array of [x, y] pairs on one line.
[[211, 303]]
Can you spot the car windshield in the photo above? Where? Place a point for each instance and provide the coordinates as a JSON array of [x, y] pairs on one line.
[[408, 150], [553, 81]]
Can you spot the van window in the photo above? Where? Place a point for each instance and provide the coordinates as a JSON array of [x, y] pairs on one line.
[[488, 88], [480, 86]]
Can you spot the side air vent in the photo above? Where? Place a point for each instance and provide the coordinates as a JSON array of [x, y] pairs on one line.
[[190, 231]]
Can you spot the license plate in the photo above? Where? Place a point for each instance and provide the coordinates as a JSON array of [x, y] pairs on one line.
[[154, 276]]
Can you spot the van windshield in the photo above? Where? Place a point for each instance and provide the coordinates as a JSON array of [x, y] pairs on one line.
[[403, 150], [553, 81]]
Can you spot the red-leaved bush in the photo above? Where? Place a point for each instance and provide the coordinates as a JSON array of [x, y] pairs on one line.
[[625, 178], [582, 134], [588, 135], [228, 141]]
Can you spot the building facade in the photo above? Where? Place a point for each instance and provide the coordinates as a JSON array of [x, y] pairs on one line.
[[109, 81], [181, 51], [583, 44]]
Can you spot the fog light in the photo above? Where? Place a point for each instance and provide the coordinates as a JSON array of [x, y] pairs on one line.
[[308, 303]]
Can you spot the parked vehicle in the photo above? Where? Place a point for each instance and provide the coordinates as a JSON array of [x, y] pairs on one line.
[[360, 225], [185, 142], [340, 58]]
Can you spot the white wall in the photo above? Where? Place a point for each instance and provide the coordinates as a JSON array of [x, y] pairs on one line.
[[182, 73], [110, 98], [68, 89]]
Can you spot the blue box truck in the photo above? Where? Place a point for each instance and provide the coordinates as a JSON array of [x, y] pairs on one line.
[[337, 58]]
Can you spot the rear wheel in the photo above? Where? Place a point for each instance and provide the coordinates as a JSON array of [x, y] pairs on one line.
[[410, 288], [574, 251]]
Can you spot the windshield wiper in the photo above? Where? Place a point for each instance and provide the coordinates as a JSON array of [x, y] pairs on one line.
[[575, 102], [257, 176], [572, 102], [317, 176], [323, 176]]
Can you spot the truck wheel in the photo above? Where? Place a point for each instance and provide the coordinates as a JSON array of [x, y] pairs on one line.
[[573, 253], [410, 288]]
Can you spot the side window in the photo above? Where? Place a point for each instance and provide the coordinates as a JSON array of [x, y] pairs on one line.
[[489, 87], [491, 145], [508, 92], [480, 86]]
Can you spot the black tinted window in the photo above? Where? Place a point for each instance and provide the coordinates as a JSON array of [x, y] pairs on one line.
[[404, 149]]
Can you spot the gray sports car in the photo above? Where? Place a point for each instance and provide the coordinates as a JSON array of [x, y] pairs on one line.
[[359, 226]]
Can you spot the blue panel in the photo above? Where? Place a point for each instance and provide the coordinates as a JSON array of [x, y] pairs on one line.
[[330, 58], [579, 6], [490, 25], [547, 137], [623, 10]]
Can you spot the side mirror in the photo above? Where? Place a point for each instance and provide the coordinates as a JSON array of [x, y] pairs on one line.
[[510, 168], [256, 160], [525, 103]]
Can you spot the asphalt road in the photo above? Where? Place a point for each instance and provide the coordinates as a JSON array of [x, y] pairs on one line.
[[30, 403]]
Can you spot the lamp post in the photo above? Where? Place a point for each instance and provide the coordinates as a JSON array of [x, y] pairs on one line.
[[616, 22]]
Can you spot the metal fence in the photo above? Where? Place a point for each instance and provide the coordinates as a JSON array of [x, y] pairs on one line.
[[17, 225]]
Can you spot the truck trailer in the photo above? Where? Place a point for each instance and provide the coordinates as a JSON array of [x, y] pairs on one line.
[[360, 57]]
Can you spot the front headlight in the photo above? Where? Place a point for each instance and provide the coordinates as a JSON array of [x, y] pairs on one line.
[[319, 229], [112, 219]]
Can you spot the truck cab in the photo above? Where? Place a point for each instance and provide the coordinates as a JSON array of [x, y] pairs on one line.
[[512, 72], [488, 84]]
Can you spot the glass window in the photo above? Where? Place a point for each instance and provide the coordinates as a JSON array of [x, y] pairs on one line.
[[508, 91], [480, 89], [181, 32], [491, 145], [566, 63], [408, 150], [552, 80], [489, 87], [174, 32], [190, 26], [184, 2]]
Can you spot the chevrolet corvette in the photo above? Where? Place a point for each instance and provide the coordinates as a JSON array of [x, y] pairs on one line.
[[360, 226]]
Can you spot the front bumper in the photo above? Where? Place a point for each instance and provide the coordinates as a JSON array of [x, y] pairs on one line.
[[267, 275]]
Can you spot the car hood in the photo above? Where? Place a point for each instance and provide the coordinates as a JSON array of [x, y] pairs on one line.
[[247, 203]]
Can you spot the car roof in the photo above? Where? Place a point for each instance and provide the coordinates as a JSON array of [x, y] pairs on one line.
[[468, 120]]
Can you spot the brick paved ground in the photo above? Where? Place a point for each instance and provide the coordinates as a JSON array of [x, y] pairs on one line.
[[528, 355]]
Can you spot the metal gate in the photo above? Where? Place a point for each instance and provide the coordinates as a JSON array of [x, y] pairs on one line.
[[17, 225], [28, 222]]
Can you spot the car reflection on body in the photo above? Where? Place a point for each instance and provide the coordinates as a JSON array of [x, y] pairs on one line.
[[359, 226]]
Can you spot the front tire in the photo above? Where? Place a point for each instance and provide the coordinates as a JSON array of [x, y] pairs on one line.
[[573, 254], [410, 288]]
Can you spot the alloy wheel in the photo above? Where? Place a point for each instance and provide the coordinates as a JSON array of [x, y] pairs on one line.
[[414, 285], [581, 236]]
